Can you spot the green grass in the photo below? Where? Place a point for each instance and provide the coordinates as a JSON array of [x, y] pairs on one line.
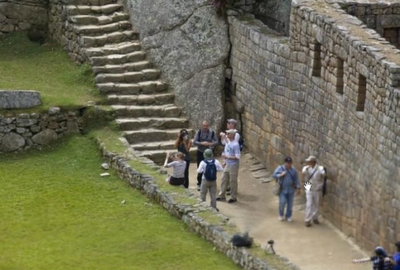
[[25, 65], [57, 213]]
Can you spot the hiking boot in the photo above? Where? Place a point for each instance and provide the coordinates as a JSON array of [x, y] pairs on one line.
[[232, 200], [308, 224], [316, 221], [281, 218], [289, 219], [221, 199]]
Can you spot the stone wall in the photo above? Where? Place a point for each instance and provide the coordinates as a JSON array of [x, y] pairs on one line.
[[61, 31], [327, 90], [383, 17], [274, 13], [18, 15], [32, 131], [188, 42]]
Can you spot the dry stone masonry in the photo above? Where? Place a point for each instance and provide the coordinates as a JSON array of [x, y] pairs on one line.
[[19, 99], [32, 131], [100, 32], [18, 15], [331, 90]]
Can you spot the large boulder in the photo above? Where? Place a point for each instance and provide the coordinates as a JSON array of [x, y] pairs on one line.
[[45, 137], [11, 142], [189, 42], [18, 99]]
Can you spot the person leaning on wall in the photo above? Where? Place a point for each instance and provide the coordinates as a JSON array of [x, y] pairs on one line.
[[314, 176]]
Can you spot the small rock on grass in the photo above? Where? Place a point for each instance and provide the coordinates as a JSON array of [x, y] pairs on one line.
[[123, 201], [105, 166], [104, 174]]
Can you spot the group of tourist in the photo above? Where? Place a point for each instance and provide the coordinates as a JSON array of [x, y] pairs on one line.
[[207, 166]]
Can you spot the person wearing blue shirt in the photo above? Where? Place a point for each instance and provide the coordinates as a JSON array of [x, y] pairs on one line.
[[288, 179], [396, 257]]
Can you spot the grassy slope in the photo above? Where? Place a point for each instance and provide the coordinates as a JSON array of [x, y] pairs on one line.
[[25, 65], [57, 213]]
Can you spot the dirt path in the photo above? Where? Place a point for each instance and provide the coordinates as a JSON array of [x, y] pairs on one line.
[[316, 248]]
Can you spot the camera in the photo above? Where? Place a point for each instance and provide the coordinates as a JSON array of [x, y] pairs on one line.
[[271, 242]]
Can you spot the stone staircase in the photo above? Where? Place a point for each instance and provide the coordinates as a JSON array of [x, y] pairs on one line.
[[144, 108]]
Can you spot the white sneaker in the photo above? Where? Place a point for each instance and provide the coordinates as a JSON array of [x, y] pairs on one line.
[[281, 218], [289, 220]]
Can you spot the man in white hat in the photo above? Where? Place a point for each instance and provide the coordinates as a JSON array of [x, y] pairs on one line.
[[314, 180], [231, 158]]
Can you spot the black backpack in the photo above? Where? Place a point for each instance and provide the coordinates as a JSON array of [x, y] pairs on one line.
[[239, 240], [211, 170], [241, 143]]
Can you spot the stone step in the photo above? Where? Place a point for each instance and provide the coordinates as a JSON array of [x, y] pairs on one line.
[[158, 156], [149, 87], [116, 48], [128, 67], [90, 2], [152, 122], [96, 30], [128, 77], [152, 135], [156, 99], [116, 37], [99, 19], [82, 9], [149, 146], [167, 110], [117, 59]]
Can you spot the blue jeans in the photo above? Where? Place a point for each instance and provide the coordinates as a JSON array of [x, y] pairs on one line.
[[286, 198]]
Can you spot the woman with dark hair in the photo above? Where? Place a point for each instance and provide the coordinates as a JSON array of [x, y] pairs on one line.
[[183, 145]]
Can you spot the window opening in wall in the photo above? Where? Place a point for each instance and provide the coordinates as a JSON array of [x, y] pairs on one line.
[[362, 92], [339, 76], [392, 35], [317, 60]]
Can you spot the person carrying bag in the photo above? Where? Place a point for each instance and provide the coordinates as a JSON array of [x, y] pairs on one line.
[[287, 182]]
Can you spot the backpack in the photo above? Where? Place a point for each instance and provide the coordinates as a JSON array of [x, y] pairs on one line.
[[239, 240], [199, 134], [241, 143], [211, 170]]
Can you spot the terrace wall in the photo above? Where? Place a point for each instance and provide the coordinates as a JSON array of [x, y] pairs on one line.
[[18, 15]]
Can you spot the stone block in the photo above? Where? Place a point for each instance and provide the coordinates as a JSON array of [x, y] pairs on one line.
[[45, 137], [11, 142], [13, 99]]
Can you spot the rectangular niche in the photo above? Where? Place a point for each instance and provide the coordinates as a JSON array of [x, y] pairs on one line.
[[361, 93], [392, 35], [339, 76], [316, 69]]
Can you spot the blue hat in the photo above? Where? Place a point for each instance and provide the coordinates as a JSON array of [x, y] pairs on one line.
[[288, 160]]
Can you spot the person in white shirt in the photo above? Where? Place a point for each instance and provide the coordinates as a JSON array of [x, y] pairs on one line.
[[313, 175], [209, 184], [231, 158], [231, 124], [179, 165]]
